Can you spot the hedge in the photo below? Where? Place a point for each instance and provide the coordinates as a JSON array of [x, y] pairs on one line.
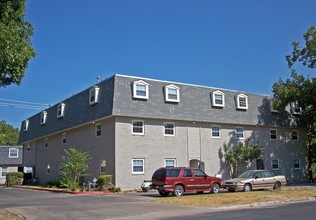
[[14, 178]]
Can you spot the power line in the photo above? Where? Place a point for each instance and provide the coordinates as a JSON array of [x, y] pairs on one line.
[[22, 104]]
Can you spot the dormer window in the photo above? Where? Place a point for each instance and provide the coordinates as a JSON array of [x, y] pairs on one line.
[[60, 110], [172, 93], [295, 108], [218, 99], [43, 117], [25, 125], [94, 95], [242, 101], [140, 90]]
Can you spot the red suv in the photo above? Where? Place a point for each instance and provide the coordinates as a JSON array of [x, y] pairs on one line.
[[178, 180]]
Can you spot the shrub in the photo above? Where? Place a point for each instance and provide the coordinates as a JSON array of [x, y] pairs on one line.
[[113, 188], [51, 184], [104, 181], [314, 171], [14, 178]]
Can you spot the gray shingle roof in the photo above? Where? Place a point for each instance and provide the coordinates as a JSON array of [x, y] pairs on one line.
[[116, 98]]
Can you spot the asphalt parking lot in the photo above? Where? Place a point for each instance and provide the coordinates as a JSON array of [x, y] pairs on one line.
[[34, 205]]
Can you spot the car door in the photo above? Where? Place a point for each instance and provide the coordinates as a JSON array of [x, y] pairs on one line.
[[258, 181], [269, 179], [200, 180], [188, 179]]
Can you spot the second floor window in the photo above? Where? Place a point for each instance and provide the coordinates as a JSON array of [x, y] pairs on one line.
[[239, 133], [138, 127], [98, 130], [273, 134], [216, 131], [169, 129]]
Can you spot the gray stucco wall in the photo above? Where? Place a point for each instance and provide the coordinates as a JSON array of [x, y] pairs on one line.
[[154, 147], [83, 138]]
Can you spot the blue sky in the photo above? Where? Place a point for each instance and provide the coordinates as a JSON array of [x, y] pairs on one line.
[[238, 45]]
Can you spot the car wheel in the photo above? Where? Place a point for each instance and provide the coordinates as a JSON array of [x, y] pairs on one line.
[[163, 193], [277, 185], [199, 192], [145, 189], [215, 188], [247, 187], [178, 190]]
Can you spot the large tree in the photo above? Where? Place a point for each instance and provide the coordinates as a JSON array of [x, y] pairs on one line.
[[8, 135], [15, 45], [301, 90]]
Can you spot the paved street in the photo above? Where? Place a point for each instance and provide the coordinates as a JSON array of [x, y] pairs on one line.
[[38, 205]]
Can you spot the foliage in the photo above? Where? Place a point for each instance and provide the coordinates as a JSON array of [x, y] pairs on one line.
[[53, 184], [15, 46], [14, 178], [113, 188], [301, 90], [307, 54], [8, 135], [104, 181], [241, 154], [74, 167]]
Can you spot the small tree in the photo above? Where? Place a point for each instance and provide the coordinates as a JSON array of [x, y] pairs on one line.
[[74, 167], [8, 135], [240, 155]]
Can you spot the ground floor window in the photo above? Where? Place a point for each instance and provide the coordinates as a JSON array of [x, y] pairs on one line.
[[138, 166], [4, 171], [102, 166], [296, 163], [170, 163], [275, 164]]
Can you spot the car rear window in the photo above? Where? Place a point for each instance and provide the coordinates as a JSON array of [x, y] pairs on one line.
[[161, 173], [173, 172]]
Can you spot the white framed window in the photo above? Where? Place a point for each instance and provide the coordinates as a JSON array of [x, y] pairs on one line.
[[13, 152], [169, 129], [239, 133], [60, 110], [48, 169], [218, 99], [215, 131], [275, 164], [172, 93], [102, 166], [170, 162], [98, 130], [64, 139], [138, 127], [28, 169], [242, 101], [294, 135], [94, 95], [43, 117], [138, 166], [295, 108], [4, 171], [140, 90], [296, 164], [273, 134], [25, 125]]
